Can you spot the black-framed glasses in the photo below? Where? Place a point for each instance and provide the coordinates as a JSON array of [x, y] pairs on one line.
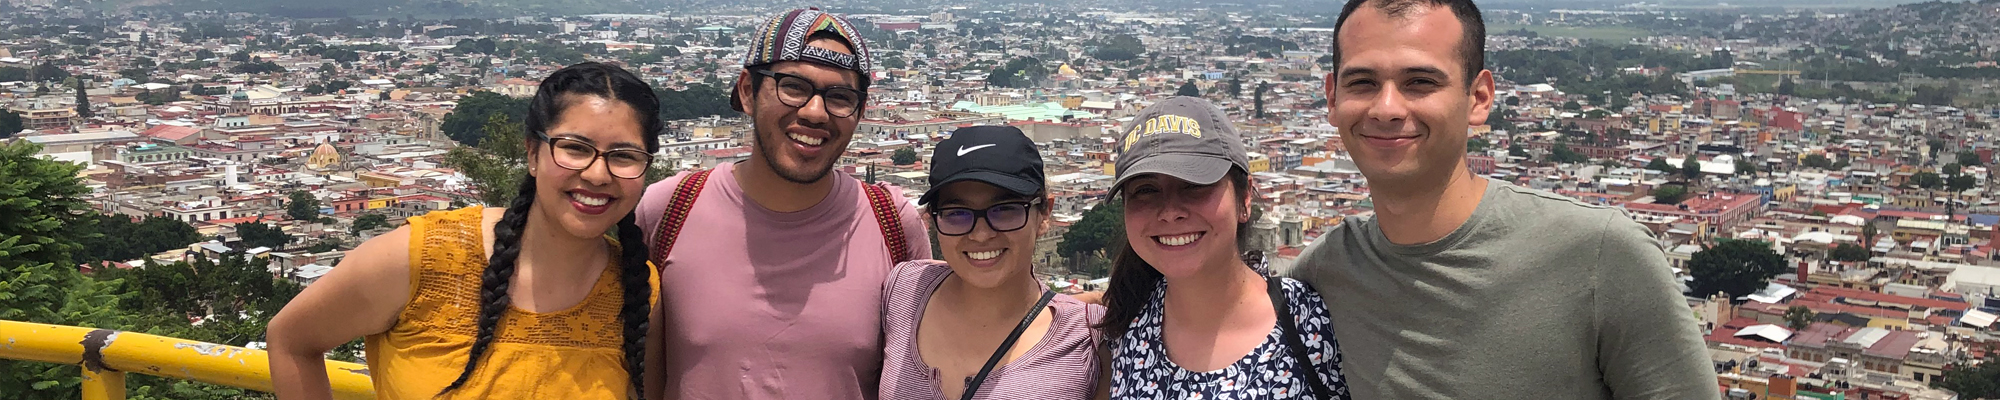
[[1003, 217], [795, 91], [577, 155]]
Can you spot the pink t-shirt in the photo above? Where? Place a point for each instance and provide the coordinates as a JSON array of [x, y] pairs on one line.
[[768, 305]]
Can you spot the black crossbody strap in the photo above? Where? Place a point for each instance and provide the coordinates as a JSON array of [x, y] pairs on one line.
[[973, 386], [1292, 339]]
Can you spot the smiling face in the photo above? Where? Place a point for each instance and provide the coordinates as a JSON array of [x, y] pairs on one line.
[[984, 258], [799, 143], [1179, 227], [1401, 99], [589, 202]]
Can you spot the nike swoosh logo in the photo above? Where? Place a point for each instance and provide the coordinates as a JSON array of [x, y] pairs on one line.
[[962, 149]]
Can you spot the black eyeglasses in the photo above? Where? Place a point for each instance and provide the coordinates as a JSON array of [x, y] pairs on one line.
[[1003, 217], [577, 155], [795, 91]]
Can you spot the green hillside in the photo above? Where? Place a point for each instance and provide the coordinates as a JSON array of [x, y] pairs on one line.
[[382, 8]]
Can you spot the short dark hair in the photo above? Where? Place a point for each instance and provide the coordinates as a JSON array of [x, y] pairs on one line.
[[1471, 47]]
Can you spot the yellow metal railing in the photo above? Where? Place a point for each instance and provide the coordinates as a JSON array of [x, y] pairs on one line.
[[106, 355]]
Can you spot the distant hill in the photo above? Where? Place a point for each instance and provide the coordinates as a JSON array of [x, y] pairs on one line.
[[385, 8], [1691, 4]]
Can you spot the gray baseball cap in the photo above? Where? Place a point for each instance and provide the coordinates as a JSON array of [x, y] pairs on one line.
[[1183, 137]]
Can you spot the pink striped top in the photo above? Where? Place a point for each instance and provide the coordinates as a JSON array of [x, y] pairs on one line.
[[1062, 366]]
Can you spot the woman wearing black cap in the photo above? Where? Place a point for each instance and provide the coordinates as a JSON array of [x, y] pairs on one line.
[[977, 324], [1224, 329]]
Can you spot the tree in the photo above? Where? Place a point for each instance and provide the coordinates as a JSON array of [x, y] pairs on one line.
[[258, 234], [904, 156], [1572, 105], [1817, 161], [265, 67], [1691, 168], [326, 245], [1562, 154], [1868, 232], [1953, 169], [1849, 252], [1669, 194], [1477, 145], [1259, 97], [1235, 87], [302, 206], [1188, 89], [1745, 167], [1120, 47], [1000, 77], [1736, 268], [1100, 230], [1960, 183], [10, 124], [1786, 87], [1660, 164], [37, 206], [48, 72], [119, 238], [1516, 150], [466, 121], [40, 206], [1969, 158], [1798, 317], [1973, 381], [367, 221], [496, 166], [82, 102], [1497, 120], [694, 102], [1927, 180]]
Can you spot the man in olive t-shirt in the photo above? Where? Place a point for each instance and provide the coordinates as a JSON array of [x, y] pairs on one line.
[[1463, 287]]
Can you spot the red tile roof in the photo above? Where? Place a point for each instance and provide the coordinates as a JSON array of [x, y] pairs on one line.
[[170, 132], [1856, 294], [1726, 334]]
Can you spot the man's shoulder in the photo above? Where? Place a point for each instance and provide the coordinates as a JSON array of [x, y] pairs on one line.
[[1538, 210], [1349, 229], [1543, 217], [653, 202]]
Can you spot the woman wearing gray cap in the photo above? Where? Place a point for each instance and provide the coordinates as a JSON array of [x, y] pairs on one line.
[[978, 324], [1189, 315]]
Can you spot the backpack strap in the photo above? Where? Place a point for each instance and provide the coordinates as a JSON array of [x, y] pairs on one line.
[[676, 215], [889, 220], [1290, 331]]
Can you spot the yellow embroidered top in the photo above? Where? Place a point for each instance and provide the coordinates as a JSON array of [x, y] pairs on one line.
[[574, 353]]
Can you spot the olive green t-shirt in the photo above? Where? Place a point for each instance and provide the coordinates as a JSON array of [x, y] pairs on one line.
[[1536, 296]]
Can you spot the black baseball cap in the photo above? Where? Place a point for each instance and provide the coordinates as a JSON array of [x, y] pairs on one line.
[[1184, 137], [998, 155]]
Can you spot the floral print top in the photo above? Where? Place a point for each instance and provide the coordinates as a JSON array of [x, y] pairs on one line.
[[1140, 368]]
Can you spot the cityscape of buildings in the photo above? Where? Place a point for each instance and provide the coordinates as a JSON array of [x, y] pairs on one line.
[[1747, 133]]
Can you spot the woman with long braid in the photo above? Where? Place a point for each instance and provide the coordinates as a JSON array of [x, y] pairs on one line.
[[531, 301]]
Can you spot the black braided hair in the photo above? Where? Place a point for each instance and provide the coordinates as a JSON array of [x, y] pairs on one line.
[[633, 276], [551, 98]]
